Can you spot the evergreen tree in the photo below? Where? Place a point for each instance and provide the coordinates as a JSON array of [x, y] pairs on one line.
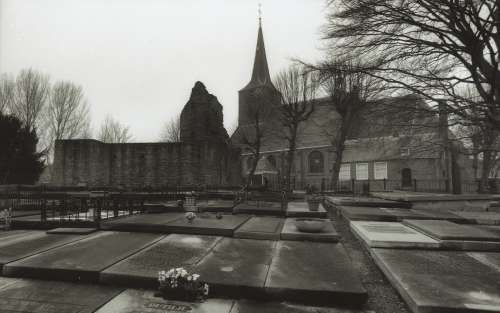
[[20, 163]]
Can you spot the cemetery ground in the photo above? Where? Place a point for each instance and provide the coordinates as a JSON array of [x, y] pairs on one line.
[[380, 254]]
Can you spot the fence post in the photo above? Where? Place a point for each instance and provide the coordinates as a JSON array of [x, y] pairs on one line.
[[385, 184], [415, 184], [352, 186]]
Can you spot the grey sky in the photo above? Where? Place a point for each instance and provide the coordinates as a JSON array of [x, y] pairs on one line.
[[138, 59]]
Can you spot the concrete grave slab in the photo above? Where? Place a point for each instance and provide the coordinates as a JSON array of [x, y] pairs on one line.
[[401, 213], [489, 228], [263, 209], [133, 301], [440, 281], [19, 246], [443, 215], [31, 296], [366, 202], [237, 267], [141, 269], [445, 230], [74, 231], [248, 306], [267, 228], [208, 224], [216, 206], [483, 218], [313, 272], [290, 232], [81, 260], [391, 235], [301, 209], [354, 213], [490, 259], [155, 222]]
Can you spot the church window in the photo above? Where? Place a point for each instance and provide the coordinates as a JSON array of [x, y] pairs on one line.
[[316, 162], [345, 172], [272, 160], [380, 170], [362, 171]]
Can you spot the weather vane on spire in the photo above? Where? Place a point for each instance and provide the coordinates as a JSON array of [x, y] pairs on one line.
[[260, 13]]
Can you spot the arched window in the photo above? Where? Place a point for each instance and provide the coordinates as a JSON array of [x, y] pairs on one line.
[[249, 163], [316, 162]]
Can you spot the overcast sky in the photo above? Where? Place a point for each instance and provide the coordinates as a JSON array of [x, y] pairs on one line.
[[138, 59]]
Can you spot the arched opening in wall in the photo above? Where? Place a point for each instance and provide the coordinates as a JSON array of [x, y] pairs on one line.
[[406, 180], [249, 163], [316, 163], [272, 160]]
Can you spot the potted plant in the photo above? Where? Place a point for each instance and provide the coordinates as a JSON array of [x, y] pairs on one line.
[[178, 284], [313, 200]]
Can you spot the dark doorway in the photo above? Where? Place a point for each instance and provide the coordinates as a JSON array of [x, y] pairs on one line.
[[406, 177]]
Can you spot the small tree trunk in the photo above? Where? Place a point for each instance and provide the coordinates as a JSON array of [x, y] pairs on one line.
[[485, 170]]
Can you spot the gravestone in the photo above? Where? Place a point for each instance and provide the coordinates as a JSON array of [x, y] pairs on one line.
[[134, 301], [207, 224], [32, 296], [313, 272], [401, 213], [267, 228], [391, 235], [237, 267], [155, 222], [141, 269], [301, 209], [82, 260], [290, 232], [440, 281], [443, 215]]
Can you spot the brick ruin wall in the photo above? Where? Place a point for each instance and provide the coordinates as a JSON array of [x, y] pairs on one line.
[[138, 165]]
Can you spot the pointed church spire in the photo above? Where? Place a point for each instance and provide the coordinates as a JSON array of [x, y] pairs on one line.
[[260, 73]]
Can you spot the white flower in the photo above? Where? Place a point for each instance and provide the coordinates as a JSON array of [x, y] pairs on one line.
[[205, 289], [195, 276]]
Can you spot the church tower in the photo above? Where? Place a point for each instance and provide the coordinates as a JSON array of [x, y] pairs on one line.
[[260, 91]]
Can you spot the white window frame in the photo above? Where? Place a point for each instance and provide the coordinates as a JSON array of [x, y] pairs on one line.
[[358, 171], [345, 172], [380, 168]]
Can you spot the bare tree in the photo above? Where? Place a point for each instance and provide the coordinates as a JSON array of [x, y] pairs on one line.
[[171, 131], [349, 91], [68, 113], [30, 96], [430, 47], [112, 131], [298, 90], [7, 87]]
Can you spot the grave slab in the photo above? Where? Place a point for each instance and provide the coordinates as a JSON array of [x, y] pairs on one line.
[[74, 231], [444, 230], [154, 222], [20, 246], [267, 228], [483, 218], [356, 213], [31, 296], [440, 281], [391, 235], [290, 232], [249, 306], [366, 202], [141, 269], [301, 209], [237, 267], [208, 224], [263, 209], [81, 260], [401, 213], [490, 259], [443, 215], [313, 272], [216, 206], [489, 228], [133, 301]]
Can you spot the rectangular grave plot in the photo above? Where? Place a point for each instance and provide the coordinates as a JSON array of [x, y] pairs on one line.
[[30, 296], [266, 228], [445, 230], [208, 225], [141, 269], [81, 260]]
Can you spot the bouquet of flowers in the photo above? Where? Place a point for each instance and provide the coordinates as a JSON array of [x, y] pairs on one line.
[[178, 284]]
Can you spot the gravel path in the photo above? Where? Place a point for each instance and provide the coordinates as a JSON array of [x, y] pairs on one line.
[[382, 297]]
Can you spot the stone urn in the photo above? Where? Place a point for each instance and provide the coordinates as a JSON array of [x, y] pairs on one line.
[[313, 202], [310, 225]]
